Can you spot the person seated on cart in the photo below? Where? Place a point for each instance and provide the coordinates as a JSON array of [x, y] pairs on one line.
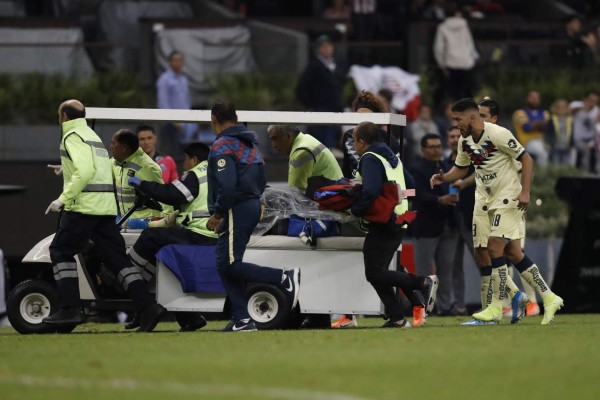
[[308, 158], [188, 195], [129, 160]]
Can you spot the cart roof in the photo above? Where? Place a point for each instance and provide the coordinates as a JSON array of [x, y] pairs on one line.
[[266, 117]]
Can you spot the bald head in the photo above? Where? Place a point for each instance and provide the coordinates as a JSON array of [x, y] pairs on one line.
[[70, 109]]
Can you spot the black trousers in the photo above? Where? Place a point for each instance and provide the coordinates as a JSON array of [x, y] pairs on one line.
[[381, 243], [459, 83], [143, 253], [73, 235]]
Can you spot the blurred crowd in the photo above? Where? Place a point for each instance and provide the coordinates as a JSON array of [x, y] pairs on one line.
[[567, 134]]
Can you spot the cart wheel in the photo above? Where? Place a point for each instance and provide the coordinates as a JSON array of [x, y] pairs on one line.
[[29, 303], [269, 307]]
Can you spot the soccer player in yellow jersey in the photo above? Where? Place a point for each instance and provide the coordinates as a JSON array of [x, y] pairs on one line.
[[501, 199]]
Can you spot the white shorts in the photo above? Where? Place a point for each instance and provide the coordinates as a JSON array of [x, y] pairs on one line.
[[507, 223]]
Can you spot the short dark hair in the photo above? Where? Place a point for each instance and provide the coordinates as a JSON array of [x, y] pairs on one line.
[[492, 105], [368, 132], [224, 111], [429, 136], [198, 150], [366, 99], [452, 8], [322, 39], [464, 105], [280, 130], [141, 128], [128, 138], [174, 53], [73, 112], [590, 92], [569, 18]]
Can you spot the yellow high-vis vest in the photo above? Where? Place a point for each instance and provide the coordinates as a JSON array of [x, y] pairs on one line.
[[87, 177], [194, 214]]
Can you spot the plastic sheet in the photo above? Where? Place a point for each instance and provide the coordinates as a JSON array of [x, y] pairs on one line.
[[282, 201]]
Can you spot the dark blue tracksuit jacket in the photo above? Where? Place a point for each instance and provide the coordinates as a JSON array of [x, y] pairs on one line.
[[235, 169]]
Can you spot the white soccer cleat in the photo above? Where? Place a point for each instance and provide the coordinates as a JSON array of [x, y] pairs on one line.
[[551, 306]]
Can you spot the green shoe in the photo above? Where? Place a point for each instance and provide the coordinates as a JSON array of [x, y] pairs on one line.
[[491, 313], [551, 306]]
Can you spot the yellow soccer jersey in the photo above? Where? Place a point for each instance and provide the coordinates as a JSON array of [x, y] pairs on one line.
[[493, 157]]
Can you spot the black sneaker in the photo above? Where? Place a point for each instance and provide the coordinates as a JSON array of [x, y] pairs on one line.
[[150, 317], [228, 327], [65, 316], [430, 291], [243, 325], [394, 324], [134, 323], [190, 321], [291, 285]]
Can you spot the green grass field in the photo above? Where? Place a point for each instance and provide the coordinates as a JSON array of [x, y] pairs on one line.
[[439, 361]]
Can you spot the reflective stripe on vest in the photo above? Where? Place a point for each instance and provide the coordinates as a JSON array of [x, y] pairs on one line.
[[312, 156], [138, 164], [98, 187], [319, 157], [200, 214], [93, 143], [130, 165], [194, 214], [125, 199], [96, 197], [183, 189]]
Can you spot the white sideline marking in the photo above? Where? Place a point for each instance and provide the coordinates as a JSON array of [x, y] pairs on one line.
[[171, 387]]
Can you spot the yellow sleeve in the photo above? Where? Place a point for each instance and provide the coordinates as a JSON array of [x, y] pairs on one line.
[[83, 163], [300, 169], [150, 172]]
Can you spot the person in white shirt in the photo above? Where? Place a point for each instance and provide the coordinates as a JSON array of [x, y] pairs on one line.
[[586, 114], [455, 53]]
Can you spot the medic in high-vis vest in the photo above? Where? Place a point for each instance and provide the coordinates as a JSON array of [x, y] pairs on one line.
[[88, 213], [129, 161], [308, 156], [189, 197], [377, 165]]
